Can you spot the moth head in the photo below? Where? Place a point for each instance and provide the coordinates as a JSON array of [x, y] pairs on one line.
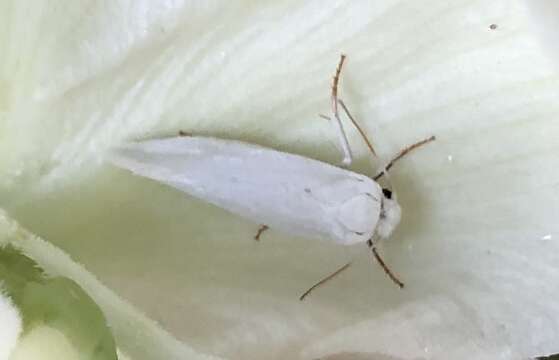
[[390, 214]]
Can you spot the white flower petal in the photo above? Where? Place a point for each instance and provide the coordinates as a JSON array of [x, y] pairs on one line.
[[45, 343], [11, 326]]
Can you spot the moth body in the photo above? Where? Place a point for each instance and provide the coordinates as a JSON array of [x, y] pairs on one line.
[[287, 192]]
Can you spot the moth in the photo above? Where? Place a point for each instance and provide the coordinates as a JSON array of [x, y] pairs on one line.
[[286, 192]]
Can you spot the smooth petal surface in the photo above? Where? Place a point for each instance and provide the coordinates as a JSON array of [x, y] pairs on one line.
[[477, 246]]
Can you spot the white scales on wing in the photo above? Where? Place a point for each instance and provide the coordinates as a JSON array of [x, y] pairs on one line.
[[287, 192]]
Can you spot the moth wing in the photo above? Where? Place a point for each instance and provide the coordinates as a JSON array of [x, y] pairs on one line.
[[287, 192]]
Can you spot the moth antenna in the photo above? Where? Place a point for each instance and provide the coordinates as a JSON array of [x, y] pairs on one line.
[[401, 154], [348, 158], [302, 297], [356, 124], [384, 266]]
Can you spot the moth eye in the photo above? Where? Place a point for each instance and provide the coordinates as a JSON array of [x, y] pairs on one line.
[[387, 193]]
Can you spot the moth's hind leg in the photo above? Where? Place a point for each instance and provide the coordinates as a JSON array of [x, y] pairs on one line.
[[261, 229]]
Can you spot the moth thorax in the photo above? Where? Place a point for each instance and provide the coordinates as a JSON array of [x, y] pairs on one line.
[[390, 215]]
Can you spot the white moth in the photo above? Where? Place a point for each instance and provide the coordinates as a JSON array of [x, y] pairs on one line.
[[286, 192]]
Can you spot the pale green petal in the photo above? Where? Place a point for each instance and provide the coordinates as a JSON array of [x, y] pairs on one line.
[[51, 306], [478, 245], [55, 303]]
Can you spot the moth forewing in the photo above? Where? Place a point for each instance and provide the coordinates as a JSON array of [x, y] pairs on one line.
[[286, 192]]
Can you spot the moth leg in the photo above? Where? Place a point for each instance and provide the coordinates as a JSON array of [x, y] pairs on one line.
[[338, 123], [383, 265], [348, 157], [261, 229], [356, 124], [184, 133], [401, 154], [302, 297]]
